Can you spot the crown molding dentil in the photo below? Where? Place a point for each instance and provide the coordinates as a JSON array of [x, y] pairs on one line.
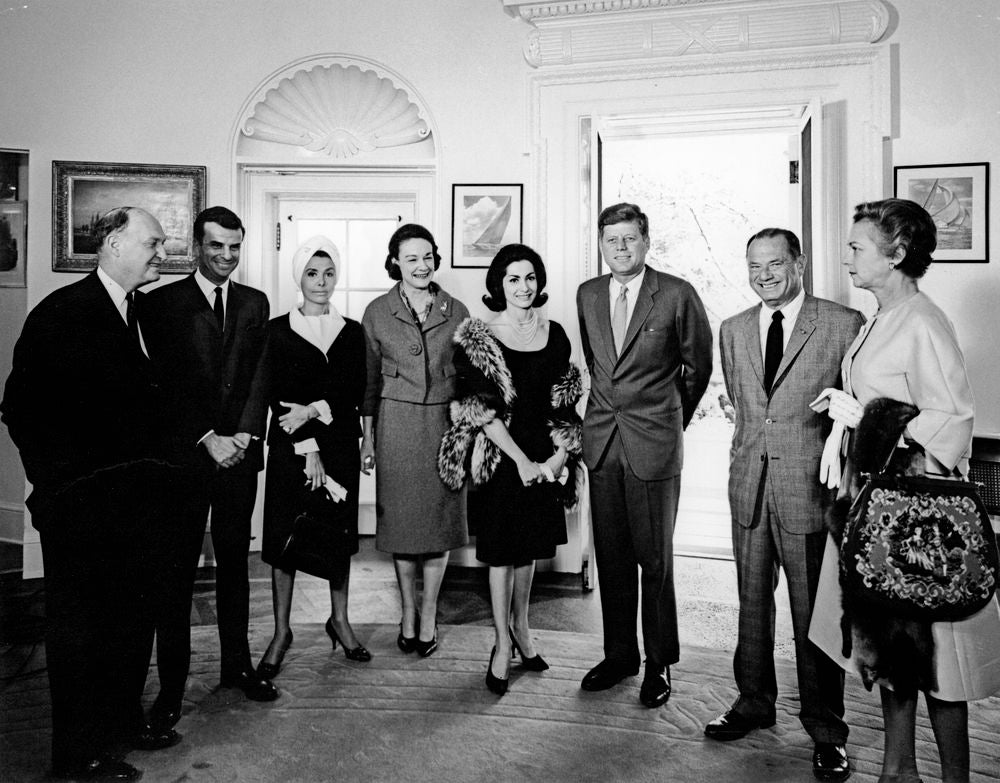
[[582, 32]]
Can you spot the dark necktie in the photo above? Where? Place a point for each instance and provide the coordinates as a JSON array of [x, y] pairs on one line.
[[131, 319], [773, 350], [220, 314]]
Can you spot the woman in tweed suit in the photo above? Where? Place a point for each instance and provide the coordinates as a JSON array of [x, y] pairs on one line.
[[411, 380]]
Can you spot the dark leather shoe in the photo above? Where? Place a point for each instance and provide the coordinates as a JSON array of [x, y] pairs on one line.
[[255, 687], [830, 762], [103, 768], [733, 726], [655, 689], [606, 675], [149, 738], [164, 716]]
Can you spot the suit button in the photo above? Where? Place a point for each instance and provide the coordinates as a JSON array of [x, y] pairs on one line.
[[415, 349], [767, 421]]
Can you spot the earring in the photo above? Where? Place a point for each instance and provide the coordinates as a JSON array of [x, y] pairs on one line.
[[892, 265]]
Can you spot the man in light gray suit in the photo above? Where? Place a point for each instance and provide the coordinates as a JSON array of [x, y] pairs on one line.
[[776, 358], [648, 347]]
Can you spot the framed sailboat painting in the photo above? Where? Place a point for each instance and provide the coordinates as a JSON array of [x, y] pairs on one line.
[[484, 218], [957, 196]]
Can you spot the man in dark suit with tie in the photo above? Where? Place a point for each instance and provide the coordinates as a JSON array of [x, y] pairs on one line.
[[648, 347], [207, 336], [85, 413], [776, 358]]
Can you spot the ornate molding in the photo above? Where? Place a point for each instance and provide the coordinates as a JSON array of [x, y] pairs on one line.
[[338, 109], [583, 32]]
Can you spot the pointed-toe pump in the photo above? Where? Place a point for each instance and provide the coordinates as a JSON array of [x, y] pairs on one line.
[[359, 653], [494, 683], [269, 671], [536, 664], [427, 649]]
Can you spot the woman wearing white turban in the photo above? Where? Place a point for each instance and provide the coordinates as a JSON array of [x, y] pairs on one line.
[[314, 372]]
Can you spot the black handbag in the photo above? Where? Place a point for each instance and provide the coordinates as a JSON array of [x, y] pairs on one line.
[[921, 548], [319, 544]]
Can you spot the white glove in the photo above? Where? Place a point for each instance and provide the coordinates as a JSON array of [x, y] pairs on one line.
[[336, 492], [840, 406], [829, 463]]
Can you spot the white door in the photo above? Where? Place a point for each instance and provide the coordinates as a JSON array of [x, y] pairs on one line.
[[358, 212]]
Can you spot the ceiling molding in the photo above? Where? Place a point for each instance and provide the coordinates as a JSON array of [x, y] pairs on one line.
[[591, 32]]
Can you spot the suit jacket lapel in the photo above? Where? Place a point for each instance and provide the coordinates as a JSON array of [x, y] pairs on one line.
[[601, 340], [643, 304], [751, 340], [199, 304], [803, 329]]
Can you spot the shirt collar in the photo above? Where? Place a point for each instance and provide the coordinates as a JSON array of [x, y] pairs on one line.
[[632, 285], [116, 292], [789, 310], [208, 287]]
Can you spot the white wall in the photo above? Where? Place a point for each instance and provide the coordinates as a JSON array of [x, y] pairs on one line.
[[163, 82]]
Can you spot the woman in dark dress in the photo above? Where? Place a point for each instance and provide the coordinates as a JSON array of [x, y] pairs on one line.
[[314, 370], [515, 413]]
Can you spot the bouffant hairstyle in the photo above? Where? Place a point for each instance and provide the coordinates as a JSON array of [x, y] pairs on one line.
[[771, 233], [221, 217], [495, 299], [623, 213], [901, 224], [404, 232]]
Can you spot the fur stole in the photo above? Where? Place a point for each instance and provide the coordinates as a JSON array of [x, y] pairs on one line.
[[471, 413], [465, 443], [884, 646]]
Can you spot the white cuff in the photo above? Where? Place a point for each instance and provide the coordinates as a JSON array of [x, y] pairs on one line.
[[323, 408], [202, 438], [306, 446]]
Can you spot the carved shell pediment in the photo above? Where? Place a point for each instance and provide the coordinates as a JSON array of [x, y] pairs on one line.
[[338, 110]]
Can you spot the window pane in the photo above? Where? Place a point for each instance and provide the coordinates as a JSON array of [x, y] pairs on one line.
[[368, 241]]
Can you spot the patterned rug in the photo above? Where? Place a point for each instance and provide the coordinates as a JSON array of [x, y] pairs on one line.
[[404, 718]]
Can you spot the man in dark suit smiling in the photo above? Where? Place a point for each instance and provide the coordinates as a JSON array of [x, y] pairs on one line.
[[648, 347], [207, 336], [85, 413]]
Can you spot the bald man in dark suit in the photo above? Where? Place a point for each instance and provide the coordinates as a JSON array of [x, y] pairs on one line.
[[85, 412]]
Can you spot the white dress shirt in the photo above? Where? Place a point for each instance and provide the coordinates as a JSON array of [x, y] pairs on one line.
[[789, 313], [633, 286]]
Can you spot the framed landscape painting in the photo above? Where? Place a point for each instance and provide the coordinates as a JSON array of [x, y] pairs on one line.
[[484, 218], [82, 192], [957, 197]]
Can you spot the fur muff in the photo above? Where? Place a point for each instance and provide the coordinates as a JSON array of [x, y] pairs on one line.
[[885, 647]]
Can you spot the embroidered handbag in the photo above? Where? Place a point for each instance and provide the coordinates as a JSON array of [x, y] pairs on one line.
[[919, 547]]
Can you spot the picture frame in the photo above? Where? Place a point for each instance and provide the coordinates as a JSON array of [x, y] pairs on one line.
[[83, 191], [957, 196], [484, 218], [13, 243]]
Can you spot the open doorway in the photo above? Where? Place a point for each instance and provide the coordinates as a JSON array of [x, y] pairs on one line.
[[705, 194]]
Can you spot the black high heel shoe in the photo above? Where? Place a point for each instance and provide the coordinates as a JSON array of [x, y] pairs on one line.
[[359, 653], [494, 683], [536, 664], [268, 671], [426, 649], [406, 643]]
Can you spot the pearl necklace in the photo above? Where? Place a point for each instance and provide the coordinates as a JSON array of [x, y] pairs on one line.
[[525, 332]]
